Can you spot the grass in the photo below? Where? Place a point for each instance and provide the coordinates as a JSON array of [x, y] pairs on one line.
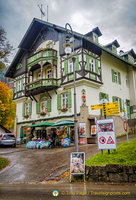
[[3, 163], [125, 155]]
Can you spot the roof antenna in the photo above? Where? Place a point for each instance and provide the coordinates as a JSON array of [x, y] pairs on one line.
[[42, 13]]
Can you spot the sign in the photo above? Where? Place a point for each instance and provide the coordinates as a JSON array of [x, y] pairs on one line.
[[93, 129], [82, 129], [125, 126], [106, 134], [77, 163], [97, 107], [82, 141]]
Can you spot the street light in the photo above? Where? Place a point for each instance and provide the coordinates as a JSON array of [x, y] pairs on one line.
[[69, 48]]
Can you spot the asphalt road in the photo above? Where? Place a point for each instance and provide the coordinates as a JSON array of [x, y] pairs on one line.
[[28, 166], [67, 191]]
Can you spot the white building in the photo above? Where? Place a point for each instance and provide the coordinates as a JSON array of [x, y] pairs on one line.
[[43, 77]]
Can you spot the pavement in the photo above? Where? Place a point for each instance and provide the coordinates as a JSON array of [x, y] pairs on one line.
[[37, 165]]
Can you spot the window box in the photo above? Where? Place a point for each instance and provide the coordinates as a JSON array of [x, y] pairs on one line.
[[64, 108], [26, 116], [42, 113]]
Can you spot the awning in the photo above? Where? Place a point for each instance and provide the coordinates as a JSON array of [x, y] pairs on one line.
[[21, 132], [43, 124], [64, 123]]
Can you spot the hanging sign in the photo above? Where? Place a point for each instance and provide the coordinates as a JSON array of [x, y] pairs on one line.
[[106, 134]]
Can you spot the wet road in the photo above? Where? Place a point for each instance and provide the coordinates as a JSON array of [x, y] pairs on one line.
[[38, 165], [73, 191]]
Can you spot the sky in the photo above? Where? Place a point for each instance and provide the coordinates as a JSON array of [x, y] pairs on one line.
[[116, 19]]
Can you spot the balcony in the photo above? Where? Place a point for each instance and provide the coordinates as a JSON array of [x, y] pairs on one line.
[[40, 86], [44, 56]]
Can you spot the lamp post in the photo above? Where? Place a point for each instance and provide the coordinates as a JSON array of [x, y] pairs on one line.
[[69, 48]]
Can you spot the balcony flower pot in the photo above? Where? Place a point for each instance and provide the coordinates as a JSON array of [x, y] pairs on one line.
[[26, 116], [42, 113], [64, 109]]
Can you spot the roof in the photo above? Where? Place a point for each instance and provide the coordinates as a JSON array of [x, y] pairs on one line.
[[115, 43], [6, 130], [94, 30], [37, 26], [130, 52]]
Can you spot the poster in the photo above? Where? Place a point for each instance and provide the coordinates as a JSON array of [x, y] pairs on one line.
[[77, 163], [82, 129], [93, 130]]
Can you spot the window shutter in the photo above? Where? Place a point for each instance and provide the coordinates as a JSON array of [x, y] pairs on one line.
[[87, 63], [120, 103], [119, 78], [30, 108], [77, 63], [38, 108], [49, 105], [96, 66], [107, 97], [100, 96], [65, 67], [59, 101], [113, 77], [23, 109], [113, 99], [22, 84], [69, 99]]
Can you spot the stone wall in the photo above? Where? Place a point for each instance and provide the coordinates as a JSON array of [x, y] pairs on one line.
[[111, 173]]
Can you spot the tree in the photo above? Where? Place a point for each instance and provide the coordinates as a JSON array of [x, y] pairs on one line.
[[7, 107], [5, 49]]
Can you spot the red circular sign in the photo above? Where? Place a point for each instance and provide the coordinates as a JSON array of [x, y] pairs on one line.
[[125, 126], [102, 140]]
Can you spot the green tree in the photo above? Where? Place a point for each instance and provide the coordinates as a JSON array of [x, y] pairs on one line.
[[5, 49]]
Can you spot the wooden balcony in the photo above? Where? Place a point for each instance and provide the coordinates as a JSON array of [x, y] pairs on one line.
[[42, 85]]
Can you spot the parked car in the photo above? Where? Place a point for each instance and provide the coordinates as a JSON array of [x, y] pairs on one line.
[[7, 139]]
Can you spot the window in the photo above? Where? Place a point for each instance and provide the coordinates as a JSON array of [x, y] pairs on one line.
[[49, 74], [119, 100], [116, 77], [92, 65], [43, 106], [39, 76], [26, 109], [70, 66], [64, 100], [19, 85]]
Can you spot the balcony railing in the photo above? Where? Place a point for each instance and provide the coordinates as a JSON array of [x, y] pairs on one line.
[[48, 83], [45, 54]]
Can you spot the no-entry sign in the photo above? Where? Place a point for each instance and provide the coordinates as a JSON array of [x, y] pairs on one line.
[[106, 134]]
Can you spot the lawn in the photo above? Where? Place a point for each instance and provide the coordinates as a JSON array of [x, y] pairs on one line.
[[125, 155], [3, 163]]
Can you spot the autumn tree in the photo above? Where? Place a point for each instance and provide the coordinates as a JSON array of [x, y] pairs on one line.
[[5, 49], [7, 107]]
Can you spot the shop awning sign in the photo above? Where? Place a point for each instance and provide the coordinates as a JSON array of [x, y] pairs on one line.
[[106, 134]]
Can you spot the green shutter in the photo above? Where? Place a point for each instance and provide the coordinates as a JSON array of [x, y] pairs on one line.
[[113, 77], [69, 99], [96, 66], [100, 96], [77, 63], [38, 108], [30, 108], [49, 105], [59, 101], [128, 108], [22, 84], [113, 99], [23, 109], [87, 62], [120, 103], [119, 78], [107, 97], [65, 67]]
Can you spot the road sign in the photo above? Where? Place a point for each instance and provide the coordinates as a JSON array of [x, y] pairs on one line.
[[97, 107], [106, 134]]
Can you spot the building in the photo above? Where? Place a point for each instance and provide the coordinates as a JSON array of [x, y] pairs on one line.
[[43, 77], [4, 79]]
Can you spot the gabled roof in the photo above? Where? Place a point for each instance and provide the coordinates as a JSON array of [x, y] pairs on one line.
[[115, 43], [95, 30], [130, 52]]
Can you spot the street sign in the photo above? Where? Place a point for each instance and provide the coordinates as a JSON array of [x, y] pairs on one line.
[[106, 134], [97, 107]]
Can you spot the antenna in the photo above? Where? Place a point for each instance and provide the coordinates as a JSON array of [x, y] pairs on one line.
[[42, 13]]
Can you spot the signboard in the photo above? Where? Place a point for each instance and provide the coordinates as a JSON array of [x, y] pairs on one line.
[[97, 107], [93, 129], [82, 129], [77, 163], [106, 134]]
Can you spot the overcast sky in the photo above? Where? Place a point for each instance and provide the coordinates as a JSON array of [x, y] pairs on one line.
[[115, 18]]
